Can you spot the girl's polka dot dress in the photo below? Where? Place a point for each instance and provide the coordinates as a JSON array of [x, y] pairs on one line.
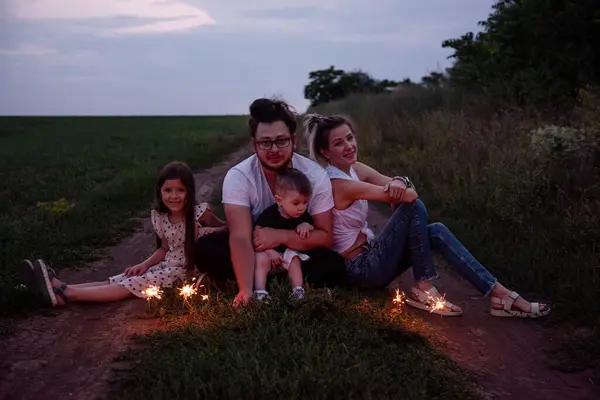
[[172, 268]]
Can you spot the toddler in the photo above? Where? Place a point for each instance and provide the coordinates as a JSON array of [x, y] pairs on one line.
[[292, 192]]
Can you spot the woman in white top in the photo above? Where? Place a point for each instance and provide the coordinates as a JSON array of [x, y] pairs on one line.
[[377, 261]]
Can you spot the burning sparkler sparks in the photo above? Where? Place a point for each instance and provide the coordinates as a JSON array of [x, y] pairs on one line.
[[433, 303], [400, 299], [152, 292], [202, 288], [187, 291], [438, 303]]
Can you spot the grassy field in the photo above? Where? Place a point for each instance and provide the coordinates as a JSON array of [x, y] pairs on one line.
[[71, 185], [349, 345], [520, 189]]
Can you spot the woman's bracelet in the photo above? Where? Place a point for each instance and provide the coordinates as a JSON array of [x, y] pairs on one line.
[[404, 179]]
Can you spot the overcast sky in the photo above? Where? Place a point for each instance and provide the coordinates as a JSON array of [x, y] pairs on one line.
[[139, 57]]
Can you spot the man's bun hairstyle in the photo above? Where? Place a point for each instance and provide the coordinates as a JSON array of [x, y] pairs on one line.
[[268, 111]]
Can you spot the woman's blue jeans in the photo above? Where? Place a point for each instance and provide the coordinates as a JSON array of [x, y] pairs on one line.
[[407, 240]]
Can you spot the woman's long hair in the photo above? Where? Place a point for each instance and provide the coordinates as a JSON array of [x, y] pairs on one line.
[[179, 170]]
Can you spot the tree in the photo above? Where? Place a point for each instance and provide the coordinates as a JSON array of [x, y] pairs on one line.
[[530, 50], [331, 84], [434, 80]]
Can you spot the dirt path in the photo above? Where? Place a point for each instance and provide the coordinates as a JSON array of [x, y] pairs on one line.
[[70, 352], [505, 355]]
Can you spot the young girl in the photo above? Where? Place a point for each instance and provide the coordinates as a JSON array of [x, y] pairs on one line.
[[177, 220], [292, 191]]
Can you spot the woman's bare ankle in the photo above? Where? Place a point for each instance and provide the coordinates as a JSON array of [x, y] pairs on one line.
[[56, 283], [503, 292], [424, 285]]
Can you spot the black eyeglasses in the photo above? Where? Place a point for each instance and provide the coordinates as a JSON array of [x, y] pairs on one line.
[[268, 144]]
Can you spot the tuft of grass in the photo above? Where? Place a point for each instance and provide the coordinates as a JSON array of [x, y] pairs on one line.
[[344, 345], [520, 190], [71, 185]]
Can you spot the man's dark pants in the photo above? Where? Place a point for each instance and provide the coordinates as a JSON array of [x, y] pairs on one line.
[[326, 268]]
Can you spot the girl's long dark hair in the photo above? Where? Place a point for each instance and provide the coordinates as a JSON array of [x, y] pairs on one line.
[[179, 170]]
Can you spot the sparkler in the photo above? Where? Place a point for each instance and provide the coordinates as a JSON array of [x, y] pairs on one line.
[[400, 299], [152, 292], [186, 292], [202, 288], [438, 303]]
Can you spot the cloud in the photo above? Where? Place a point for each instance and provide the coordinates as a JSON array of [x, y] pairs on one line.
[[166, 15], [79, 58], [393, 22], [28, 50], [270, 16], [109, 57], [161, 27], [50, 56], [75, 78]]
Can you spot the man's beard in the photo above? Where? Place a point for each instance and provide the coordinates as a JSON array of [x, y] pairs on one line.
[[269, 168]]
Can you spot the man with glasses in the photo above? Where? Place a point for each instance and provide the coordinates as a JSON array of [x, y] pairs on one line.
[[248, 191]]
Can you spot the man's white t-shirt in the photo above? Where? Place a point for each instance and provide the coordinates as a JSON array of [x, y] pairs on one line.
[[245, 185]]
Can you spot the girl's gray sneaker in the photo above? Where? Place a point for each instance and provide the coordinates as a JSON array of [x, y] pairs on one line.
[[297, 293], [261, 295]]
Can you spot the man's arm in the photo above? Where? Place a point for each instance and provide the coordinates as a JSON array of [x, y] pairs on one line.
[[236, 200], [320, 206], [240, 244], [321, 236]]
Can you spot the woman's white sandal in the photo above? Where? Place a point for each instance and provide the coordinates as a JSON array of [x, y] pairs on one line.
[[428, 299], [508, 311]]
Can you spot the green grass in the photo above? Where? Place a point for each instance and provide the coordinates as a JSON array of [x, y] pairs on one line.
[[347, 346], [70, 185]]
